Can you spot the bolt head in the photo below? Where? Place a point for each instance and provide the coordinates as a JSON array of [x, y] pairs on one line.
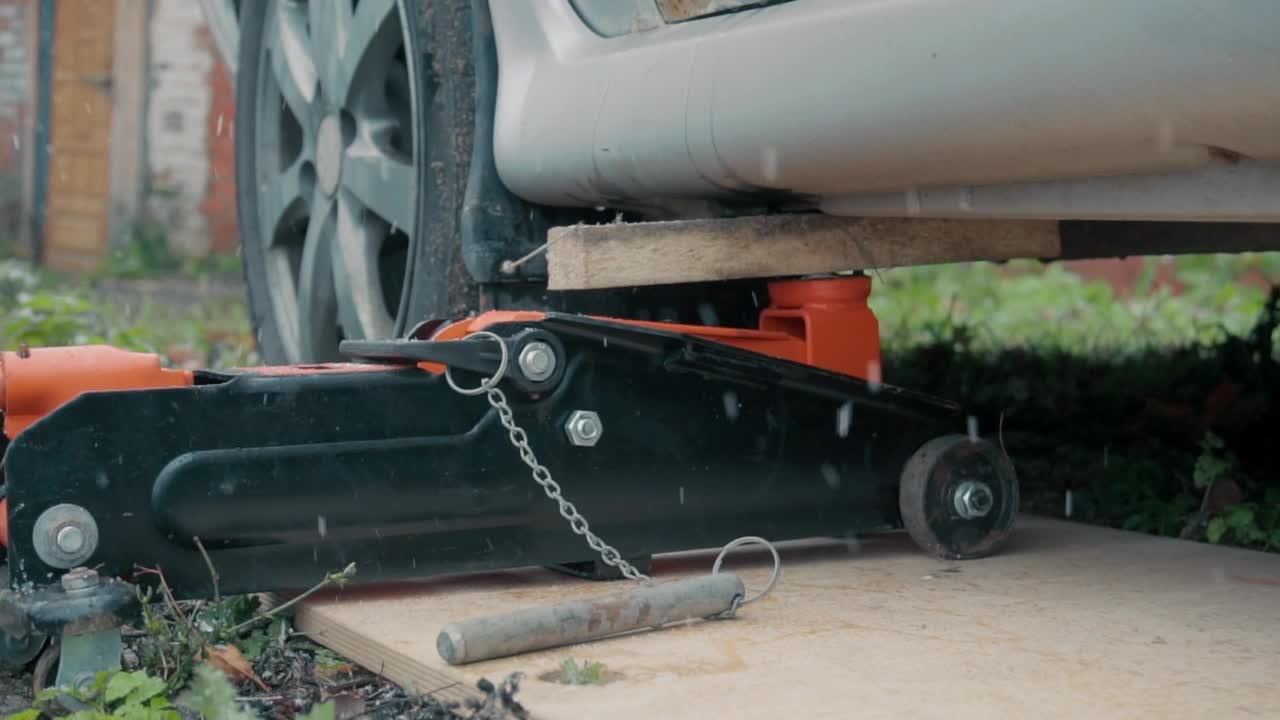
[[70, 539], [65, 536], [584, 428], [537, 361]]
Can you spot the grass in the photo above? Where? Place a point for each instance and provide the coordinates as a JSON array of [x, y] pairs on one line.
[[1025, 305], [191, 321]]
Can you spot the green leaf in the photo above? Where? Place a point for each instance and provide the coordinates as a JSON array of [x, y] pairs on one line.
[[253, 645], [28, 714], [88, 715], [123, 683], [1217, 528], [1208, 469], [146, 690], [50, 694], [589, 673], [1240, 517], [1275, 538], [326, 659], [323, 711], [212, 696]]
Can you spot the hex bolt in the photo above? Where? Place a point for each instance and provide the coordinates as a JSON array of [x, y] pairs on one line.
[[70, 539], [537, 361], [973, 499], [80, 579], [584, 428], [65, 536]]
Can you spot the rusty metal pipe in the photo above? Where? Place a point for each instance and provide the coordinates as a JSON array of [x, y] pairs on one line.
[[579, 621]]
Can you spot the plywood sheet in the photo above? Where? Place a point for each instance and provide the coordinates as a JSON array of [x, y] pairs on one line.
[[1072, 621]]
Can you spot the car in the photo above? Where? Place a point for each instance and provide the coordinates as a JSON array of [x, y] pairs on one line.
[[396, 157]]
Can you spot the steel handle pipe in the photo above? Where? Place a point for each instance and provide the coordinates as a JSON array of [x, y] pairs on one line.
[[579, 621]]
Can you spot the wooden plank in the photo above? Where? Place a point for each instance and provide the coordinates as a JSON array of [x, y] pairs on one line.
[[1070, 619], [583, 257]]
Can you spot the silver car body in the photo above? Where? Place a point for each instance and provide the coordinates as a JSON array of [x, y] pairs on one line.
[[1135, 109]]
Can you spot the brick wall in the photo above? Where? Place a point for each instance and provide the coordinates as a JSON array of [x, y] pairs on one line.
[[15, 113], [177, 124], [220, 198]]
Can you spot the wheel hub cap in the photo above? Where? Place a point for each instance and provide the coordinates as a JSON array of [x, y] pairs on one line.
[[329, 153]]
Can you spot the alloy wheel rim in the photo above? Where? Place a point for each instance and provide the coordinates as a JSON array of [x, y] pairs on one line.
[[336, 158]]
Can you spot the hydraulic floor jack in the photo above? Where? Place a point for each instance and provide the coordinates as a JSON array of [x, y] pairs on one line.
[[665, 437]]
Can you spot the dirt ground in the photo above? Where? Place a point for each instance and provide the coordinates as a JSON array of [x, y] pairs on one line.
[[15, 692]]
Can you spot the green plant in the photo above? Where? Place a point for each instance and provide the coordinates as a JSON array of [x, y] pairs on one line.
[[1026, 304], [46, 318], [145, 253], [212, 697], [1212, 463], [253, 644], [177, 641], [1135, 494], [589, 673], [16, 277], [1248, 524], [111, 696]]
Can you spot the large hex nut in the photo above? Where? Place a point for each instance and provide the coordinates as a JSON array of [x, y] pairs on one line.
[[584, 428]]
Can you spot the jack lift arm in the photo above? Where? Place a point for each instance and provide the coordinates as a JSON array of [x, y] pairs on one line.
[[667, 437]]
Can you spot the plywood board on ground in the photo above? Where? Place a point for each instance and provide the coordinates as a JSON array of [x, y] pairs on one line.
[[1071, 621]]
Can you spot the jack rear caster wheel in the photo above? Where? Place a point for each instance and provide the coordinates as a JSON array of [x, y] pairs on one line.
[[958, 497]]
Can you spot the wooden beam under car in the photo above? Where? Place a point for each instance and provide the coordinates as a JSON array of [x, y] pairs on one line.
[[584, 257]]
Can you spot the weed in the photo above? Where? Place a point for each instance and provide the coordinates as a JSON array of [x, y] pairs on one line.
[[1212, 463], [589, 673], [212, 697], [1249, 524], [111, 696], [145, 253], [39, 309]]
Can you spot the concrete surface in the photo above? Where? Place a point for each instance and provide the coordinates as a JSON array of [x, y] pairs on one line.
[[1071, 621]]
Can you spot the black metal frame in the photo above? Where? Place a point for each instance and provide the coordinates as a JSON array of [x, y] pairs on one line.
[[287, 477]]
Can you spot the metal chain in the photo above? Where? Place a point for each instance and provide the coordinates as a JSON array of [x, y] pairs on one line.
[[542, 476], [578, 523]]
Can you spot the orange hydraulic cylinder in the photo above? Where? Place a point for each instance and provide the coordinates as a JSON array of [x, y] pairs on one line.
[[33, 383]]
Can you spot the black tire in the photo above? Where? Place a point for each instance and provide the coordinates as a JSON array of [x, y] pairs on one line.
[[927, 497]]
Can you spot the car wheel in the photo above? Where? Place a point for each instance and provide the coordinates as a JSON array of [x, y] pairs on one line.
[[351, 169], [335, 103]]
